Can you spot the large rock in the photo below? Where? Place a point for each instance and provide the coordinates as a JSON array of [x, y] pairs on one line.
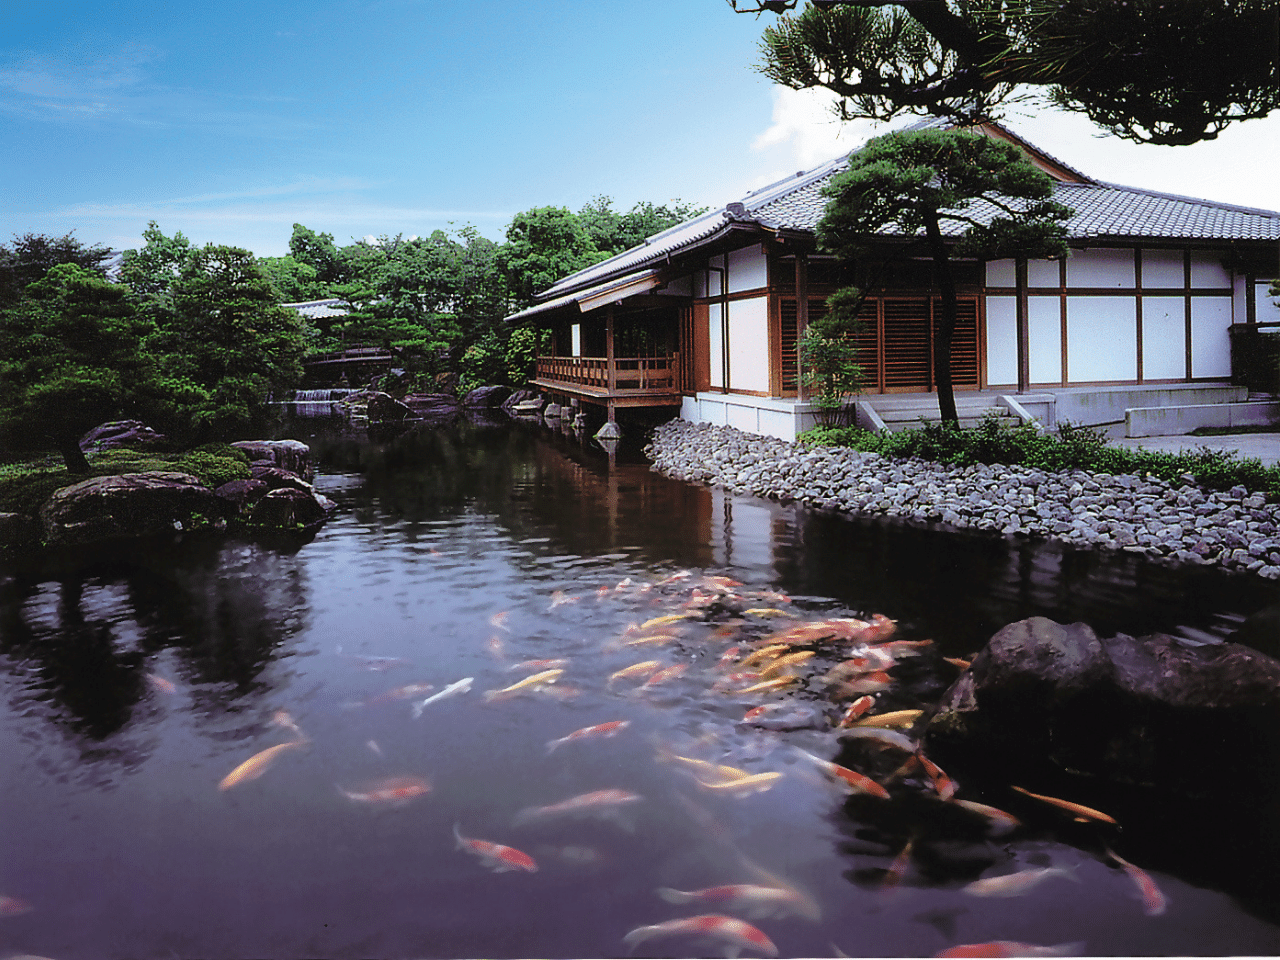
[[486, 397], [131, 505], [433, 406], [291, 455], [275, 478], [523, 395], [287, 508], [1043, 699], [243, 492], [383, 408], [120, 433]]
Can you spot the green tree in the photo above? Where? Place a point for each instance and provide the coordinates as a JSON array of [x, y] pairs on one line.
[[317, 250], [543, 245], [912, 183], [32, 255], [292, 280], [612, 232], [71, 357], [228, 337], [151, 270], [1157, 71]]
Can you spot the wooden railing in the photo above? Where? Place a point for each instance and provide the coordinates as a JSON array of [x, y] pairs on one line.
[[629, 374]]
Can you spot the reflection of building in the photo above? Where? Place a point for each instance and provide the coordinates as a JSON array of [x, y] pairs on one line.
[[707, 315]]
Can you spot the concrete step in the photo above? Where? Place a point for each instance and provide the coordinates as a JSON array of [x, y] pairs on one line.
[[971, 415]]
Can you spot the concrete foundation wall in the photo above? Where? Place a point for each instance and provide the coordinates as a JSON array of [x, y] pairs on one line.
[[1177, 421], [1097, 405]]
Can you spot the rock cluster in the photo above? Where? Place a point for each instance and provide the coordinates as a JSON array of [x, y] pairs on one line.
[[1172, 523]]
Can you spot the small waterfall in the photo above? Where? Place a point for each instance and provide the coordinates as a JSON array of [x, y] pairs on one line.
[[325, 395]]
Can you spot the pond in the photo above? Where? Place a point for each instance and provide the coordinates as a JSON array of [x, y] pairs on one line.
[[136, 684]]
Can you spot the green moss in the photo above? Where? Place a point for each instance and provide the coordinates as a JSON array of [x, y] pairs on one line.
[[212, 469]]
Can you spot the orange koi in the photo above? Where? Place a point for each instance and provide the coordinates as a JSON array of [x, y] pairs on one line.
[[726, 658], [1153, 900], [1011, 948], [392, 791], [944, 785], [856, 709], [495, 856], [662, 676], [739, 934], [642, 669], [882, 628], [1079, 810], [958, 663], [164, 686], [600, 730], [875, 682], [256, 765], [851, 780], [499, 620]]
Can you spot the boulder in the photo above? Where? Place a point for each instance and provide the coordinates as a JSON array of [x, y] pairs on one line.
[[433, 406], [486, 397], [291, 455], [1043, 699], [130, 505], [383, 408], [120, 433], [523, 395], [243, 492], [275, 478], [287, 508]]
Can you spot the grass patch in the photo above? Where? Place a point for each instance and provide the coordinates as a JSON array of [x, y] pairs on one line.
[[1073, 448]]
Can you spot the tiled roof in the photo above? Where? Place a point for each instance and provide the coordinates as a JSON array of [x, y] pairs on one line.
[[314, 309], [1102, 211]]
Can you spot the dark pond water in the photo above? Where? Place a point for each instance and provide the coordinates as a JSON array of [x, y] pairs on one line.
[[132, 682]]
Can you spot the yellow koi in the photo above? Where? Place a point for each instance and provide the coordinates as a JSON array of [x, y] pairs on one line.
[[892, 720], [741, 786], [768, 612], [256, 765], [764, 653], [777, 683], [528, 683], [790, 660], [635, 670], [662, 621]]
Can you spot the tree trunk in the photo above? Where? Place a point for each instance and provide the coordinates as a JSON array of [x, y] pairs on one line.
[[72, 455], [945, 330]]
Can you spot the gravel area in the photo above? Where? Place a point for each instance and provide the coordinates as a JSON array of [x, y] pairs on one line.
[[1182, 523]]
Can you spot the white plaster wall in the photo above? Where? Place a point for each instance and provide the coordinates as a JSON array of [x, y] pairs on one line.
[[1101, 339], [1164, 337], [748, 269], [1001, 273], [1002, 338], [716, 349], [1268, 309], [1210, 342], [1044, 273], [1207, 271], [713, 277], [1044, 336], [1239, 305], [575, 340], [749, 344], [1105, 267], [1162, 268]]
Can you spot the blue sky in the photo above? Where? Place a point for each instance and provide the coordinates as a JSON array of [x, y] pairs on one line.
[[230, 121]]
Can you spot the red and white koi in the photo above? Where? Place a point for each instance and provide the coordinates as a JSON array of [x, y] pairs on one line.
[[391, 791], [496, 856], [662, 676], [1012, 948], [559, 598], [599, 803], [857, 709], [944, 785], [598, 732], [738, 934], [499, 620], [497, 649], [1016, 884], [851, 780], [1153, 900], [751, 900]]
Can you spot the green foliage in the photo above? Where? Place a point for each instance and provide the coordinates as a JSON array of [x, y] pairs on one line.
[[829, 369], [524, 346], [1158, 71], [25, 487], [150, 272], [292, 281], [1074, 448], [543, 245], [484, 363], [317, 251], [211, 469], [611, 232], [33, 255]]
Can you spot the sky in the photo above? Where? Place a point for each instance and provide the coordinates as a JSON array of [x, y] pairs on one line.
[[230, 121]]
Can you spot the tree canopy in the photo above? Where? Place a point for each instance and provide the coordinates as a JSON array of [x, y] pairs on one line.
[[32, 255], [1158, 71], [915, 183]]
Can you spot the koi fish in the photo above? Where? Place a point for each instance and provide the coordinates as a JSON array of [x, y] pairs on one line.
[[653, 638], [399, 693], [875, 682], [738, 934], [495, 856], [662, 621], [892, 719], [882, 628], [744, 785], [857, 709], [999, 821], [959, 664], [13, 906], [379, 664], [1011, 948], [559, 598], [662, 676], [460, 686], [674, 578], [901, 649], [765, 686], [641, 669], [599, 803], [1079, 810], [944, 785], [550, 664], [392, 791], [496, 648], [528, 683], [889, 738], [600, 730], [898, 868], [164, 686], [716, 771], [1016, 884], [499, 620], [749, 899], [256, 765], [1153, 900], [764, 653], [373, 747], [789, 660], [281, 718], [768, 612], [851, 780], [727, 658]]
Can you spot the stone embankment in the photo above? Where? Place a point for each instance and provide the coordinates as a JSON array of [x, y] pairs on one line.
[[1180, 523]]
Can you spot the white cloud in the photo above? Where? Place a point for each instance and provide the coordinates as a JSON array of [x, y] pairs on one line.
[[805, 122]]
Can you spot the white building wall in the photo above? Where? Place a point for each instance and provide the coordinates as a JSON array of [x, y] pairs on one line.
[[716, 346], [1164, 337], [1162, 268], [1044, 273], [1207, 271], [748, 269], [1102, 343], [1103, 267], [1001, 273], [1002, 338], [749, 344], [1044, 333], [1210, 342]]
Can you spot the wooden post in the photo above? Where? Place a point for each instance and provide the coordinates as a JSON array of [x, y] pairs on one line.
[[1023, 325], [609, 356], [802, 318]]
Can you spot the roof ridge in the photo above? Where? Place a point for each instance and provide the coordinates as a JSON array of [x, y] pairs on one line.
[[1204, 201]]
